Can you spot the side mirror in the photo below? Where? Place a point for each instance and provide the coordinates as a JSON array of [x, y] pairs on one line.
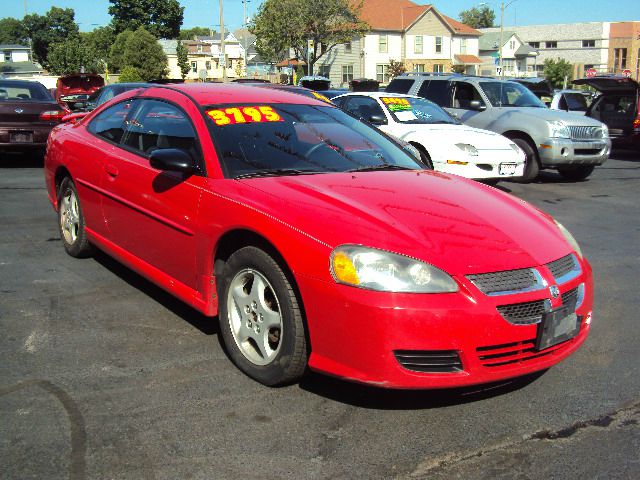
[[378, 120], [477, 106], [172, 160]]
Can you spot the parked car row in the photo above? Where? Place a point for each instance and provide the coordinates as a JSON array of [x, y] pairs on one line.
[[319, 242]]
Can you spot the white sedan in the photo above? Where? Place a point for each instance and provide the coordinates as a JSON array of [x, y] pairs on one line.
[[443, 142]]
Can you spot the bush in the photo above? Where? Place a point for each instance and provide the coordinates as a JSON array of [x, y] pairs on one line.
[[130, 74]]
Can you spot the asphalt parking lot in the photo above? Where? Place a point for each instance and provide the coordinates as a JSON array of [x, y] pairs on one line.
[[105, 376]]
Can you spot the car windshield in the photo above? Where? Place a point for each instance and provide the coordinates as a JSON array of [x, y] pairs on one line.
[[510, 94], [284, 139], [416, 111], [21, 91]]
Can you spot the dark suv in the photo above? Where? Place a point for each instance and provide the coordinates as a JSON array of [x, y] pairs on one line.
[[617, 106], [573, 144]]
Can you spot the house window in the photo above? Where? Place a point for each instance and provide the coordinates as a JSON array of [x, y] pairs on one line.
[[382, 73], [325, 71], [438, 44], [382, 44], [194, 67], [438, 68], [417, 44], [347, 73], [588, 43], [534, 44], [623, 59], [199, 48], [207, 65], [463, 45], [7, 55], [512, 44], [419, 67], [550, 44], [347, 47]]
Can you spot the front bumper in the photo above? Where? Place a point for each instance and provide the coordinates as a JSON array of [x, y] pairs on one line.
[[485, 165], [558, 152], [354, 333]]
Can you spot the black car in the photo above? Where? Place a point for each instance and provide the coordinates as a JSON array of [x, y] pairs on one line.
[[107, 92], [617, 106]]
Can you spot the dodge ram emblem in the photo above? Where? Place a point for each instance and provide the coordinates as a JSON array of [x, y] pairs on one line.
[[554, 291]]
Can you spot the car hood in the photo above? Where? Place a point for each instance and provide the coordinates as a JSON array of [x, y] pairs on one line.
[[549, 115], [454, 223], [452, 134]]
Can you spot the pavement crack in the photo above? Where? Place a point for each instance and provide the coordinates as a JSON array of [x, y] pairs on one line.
[[623, 417]]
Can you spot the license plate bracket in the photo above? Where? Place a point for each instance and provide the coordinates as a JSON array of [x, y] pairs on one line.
[[556, 327], [507, 169], [20, 137]]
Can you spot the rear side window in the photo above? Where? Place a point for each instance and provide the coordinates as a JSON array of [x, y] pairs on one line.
[[110, 124], [575, 102], [399, 85], [156, 125], [438, 91]]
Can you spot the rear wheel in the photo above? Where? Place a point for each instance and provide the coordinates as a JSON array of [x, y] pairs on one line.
[[531, 165], [576, 173], [71, 221], [260, 318]]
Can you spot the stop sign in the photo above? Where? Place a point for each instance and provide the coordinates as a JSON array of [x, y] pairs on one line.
[[626, 73], [591, 73]]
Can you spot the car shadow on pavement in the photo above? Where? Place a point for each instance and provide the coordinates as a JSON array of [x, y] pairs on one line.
[[365, 396], [31, 159], [207, 325]]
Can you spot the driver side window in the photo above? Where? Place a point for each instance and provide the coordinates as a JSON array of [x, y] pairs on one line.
[[464, 94], [364, 108]]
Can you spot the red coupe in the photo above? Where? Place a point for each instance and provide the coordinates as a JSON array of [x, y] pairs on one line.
[[317, 240]]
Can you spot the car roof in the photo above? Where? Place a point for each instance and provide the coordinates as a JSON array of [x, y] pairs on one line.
[[447, 76], [377, 95], [221, 93]]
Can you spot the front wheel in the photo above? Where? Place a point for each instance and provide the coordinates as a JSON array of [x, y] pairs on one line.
[[261, 320], [71, 221], [531, 165], [424, 156], [576, 173]]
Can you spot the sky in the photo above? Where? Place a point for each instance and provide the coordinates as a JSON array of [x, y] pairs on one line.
[[205, 13]]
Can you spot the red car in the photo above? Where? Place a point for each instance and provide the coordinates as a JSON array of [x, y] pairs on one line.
[[317, 241]]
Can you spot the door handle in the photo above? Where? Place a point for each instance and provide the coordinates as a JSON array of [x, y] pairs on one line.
[[111, 170]]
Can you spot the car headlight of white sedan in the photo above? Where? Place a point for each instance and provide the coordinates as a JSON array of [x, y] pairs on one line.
[[468, 149]]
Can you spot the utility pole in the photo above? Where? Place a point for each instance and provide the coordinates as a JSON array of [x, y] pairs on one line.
[[223, 56], [246, 34], [501, 37]]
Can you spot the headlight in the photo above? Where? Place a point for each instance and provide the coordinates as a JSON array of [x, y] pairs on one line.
[[558, 129], [605, 131], [468, 149], [387, 272], [569, 238], [516, 148]]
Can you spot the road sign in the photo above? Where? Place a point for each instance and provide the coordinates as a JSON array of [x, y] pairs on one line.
[[498, 71], [591, 73], [626, 73]]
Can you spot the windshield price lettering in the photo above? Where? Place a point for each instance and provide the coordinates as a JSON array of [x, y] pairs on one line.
[[235, 115]]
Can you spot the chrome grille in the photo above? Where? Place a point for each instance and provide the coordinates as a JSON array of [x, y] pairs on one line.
[[585, 133], [509, 281], [525, 313], [565, 268]]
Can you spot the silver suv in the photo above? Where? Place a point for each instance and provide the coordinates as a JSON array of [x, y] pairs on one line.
[[571, 143]]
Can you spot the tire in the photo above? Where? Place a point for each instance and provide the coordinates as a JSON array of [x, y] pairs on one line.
[[531, 165], [489, 181], [576, 173], [71, 223], [254, 292], [424, 156]]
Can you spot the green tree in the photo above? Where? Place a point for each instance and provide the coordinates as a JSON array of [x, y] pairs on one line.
[[12, 31], [396, 67], [281, 24], [557, 70], [129, 75], [162, 18], [478, 17], [116, 54], [183, 59], [100, 39], [189, 33], [57, 26], [143, 52], [70, 56]]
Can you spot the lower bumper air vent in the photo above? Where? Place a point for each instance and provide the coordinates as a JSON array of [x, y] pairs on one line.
[[429, 361]]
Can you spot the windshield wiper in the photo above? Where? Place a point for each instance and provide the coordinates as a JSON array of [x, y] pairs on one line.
[[276, 172], [381, 166]]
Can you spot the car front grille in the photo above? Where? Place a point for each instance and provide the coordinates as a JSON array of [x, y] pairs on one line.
[[570, 297], [585, 133], [429, 361], [510, 353], [565, 268], [510, 281], [526, 313]]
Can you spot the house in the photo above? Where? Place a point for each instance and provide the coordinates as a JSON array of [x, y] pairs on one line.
[[15, 60], [418, 35], [14, 53], [519, 59]]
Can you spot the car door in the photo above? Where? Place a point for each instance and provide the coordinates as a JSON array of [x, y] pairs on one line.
[[151, 214], [463, 94]]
